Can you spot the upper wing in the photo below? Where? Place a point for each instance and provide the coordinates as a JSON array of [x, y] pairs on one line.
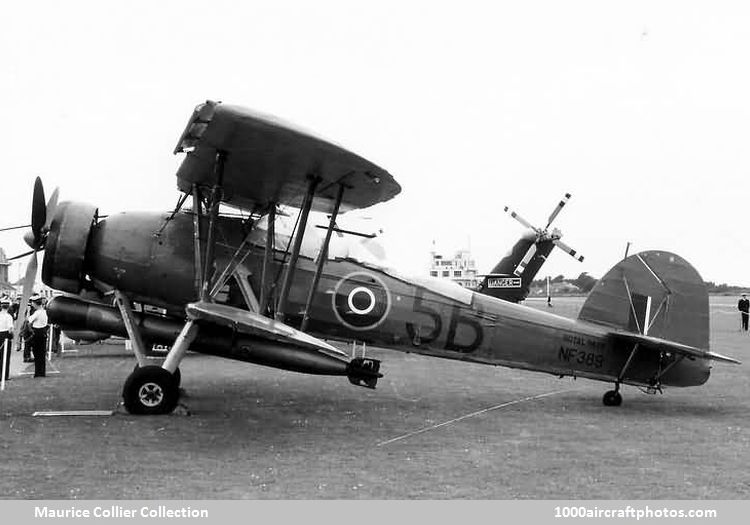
[[268, 161], [658, 344]]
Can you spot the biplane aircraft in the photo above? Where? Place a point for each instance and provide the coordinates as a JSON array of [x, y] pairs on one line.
[[233, 287]]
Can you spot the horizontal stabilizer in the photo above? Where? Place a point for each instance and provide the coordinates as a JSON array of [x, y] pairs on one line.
[[657, 344], [254, 324]]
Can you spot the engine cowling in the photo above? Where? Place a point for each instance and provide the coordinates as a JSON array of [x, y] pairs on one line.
[[65, 248]]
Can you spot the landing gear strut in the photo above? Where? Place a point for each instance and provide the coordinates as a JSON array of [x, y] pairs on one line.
[[612, 398]]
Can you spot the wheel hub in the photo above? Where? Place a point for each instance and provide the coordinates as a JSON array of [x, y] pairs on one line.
[[151, 394]]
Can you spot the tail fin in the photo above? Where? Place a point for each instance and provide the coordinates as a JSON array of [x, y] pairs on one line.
[[653, 293], [503, 282]]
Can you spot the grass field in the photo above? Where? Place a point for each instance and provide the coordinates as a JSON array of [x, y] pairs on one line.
[[257, 432]]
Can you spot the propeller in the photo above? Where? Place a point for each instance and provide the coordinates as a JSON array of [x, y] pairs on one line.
[[41, 219], [15, 227], [41, 215], [543, 234]]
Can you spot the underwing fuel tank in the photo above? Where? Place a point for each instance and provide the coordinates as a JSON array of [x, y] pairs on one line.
[[211, 339]]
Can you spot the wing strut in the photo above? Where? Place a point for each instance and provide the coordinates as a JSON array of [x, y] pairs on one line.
[[265, 289], [322, 257], [304, 213], [238, 258], [216, 193], [197, 240]]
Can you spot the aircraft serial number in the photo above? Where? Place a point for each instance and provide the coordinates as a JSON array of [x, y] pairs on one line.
[[574, 355], [579, 340]]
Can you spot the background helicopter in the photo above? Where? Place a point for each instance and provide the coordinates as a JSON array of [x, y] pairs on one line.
[[511, 277]]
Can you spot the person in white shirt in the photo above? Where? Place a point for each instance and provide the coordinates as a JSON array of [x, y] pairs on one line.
[[38, 323], [6, 334]]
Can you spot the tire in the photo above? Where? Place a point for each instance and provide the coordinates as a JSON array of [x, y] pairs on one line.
[[612, 399], [150, 390], [177, 375]]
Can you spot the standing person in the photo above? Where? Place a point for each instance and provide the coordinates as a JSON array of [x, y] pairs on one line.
[[38, 324], [6, 336], [13, 308], [15, 311], [743, 305]]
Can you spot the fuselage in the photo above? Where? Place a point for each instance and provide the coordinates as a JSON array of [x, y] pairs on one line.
[[153, 261]]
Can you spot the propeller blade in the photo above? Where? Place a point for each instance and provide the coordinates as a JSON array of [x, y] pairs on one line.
[[31, 240], [525, 261], [38, 209], [20, 256], [28, 287], [520, 219], [15, 228], [51, 207], [567, 249], [557, 210]]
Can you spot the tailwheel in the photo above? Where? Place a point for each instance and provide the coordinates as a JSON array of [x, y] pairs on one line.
[[150, 390], [612, 399]]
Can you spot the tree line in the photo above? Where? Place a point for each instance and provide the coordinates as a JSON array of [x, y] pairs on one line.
[[585, 283]]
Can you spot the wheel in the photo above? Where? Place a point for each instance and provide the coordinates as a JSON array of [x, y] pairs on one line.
[[150, 390], [612, 399]]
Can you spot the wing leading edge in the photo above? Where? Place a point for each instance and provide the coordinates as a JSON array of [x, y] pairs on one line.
[[269, 161]]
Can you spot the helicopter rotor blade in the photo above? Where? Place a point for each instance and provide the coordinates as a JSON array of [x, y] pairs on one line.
[[567, 249], [557, 210], [525, 261], [520, 219]]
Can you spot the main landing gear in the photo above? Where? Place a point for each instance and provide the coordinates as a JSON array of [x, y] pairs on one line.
[[612, 398], [149, 389]]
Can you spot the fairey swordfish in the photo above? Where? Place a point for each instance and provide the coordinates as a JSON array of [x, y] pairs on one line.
[[232, 286]]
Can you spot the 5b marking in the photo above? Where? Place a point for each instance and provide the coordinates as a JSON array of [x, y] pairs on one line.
[[581, 357], [419, 338]]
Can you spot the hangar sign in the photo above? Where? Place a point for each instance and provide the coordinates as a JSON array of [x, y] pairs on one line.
[[504, 282]]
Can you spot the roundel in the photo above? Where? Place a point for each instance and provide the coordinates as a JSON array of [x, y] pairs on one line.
[[361, 301]]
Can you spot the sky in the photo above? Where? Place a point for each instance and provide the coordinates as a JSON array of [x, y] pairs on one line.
[[639, 109]]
